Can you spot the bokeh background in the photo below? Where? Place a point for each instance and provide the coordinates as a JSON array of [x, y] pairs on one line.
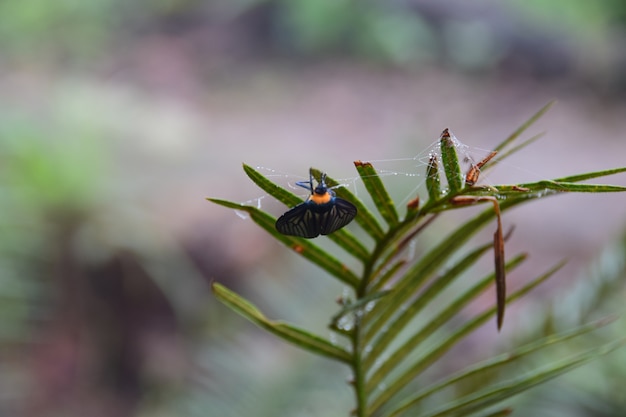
[[118, 118]]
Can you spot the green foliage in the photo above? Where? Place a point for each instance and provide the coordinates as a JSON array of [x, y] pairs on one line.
[[393, 321], [391, 33]]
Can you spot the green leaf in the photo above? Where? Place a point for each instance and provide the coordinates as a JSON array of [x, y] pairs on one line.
[[450, 159], [387, 274], [378, 192], [414, 278], [435, 288], [497, 361], [288, 332], [590, 175], [505, 390], [401, 353], [571, 187], [302, 246], [533, 190], [500, 413], [392, 248], [451, 340], [524, 126], [504, 155], [350, 244], [433, 182], [279, 193]]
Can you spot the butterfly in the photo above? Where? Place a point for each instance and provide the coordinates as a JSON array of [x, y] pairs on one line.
[[321, 214]]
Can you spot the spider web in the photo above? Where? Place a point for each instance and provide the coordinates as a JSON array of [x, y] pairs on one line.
[[404, 177]]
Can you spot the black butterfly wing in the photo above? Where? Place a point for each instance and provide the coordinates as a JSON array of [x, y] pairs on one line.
[[309, 220], [340, 213], [299, 221]]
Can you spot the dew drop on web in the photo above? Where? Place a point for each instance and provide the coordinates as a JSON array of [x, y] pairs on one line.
[[346, 323]]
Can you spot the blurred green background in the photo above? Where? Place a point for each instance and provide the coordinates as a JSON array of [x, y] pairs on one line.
[[117, 119]]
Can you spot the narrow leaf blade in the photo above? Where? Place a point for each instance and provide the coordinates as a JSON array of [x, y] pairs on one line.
[[288, 332], [500, 413], [378, 192], [495, 394], [503, 359], [439, 350], [414, 278], [590, 175], [435, 288], [387, 274], [433, 181], [450, 159], [435, 323], [350, 244], [279, 193], [524, 126], [502, 156], [571, 187]]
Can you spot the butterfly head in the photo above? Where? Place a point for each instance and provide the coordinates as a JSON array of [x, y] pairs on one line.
[[321, 194]]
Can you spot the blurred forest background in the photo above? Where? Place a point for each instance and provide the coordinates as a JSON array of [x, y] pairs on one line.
[[118, 118]]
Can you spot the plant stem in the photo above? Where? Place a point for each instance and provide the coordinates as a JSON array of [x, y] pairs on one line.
[[359, 371], [357, 339]]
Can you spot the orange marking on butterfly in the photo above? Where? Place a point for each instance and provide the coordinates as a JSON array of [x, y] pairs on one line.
[[321, 198]]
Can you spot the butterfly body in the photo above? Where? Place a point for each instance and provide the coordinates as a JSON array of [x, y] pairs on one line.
[[321, 214]]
